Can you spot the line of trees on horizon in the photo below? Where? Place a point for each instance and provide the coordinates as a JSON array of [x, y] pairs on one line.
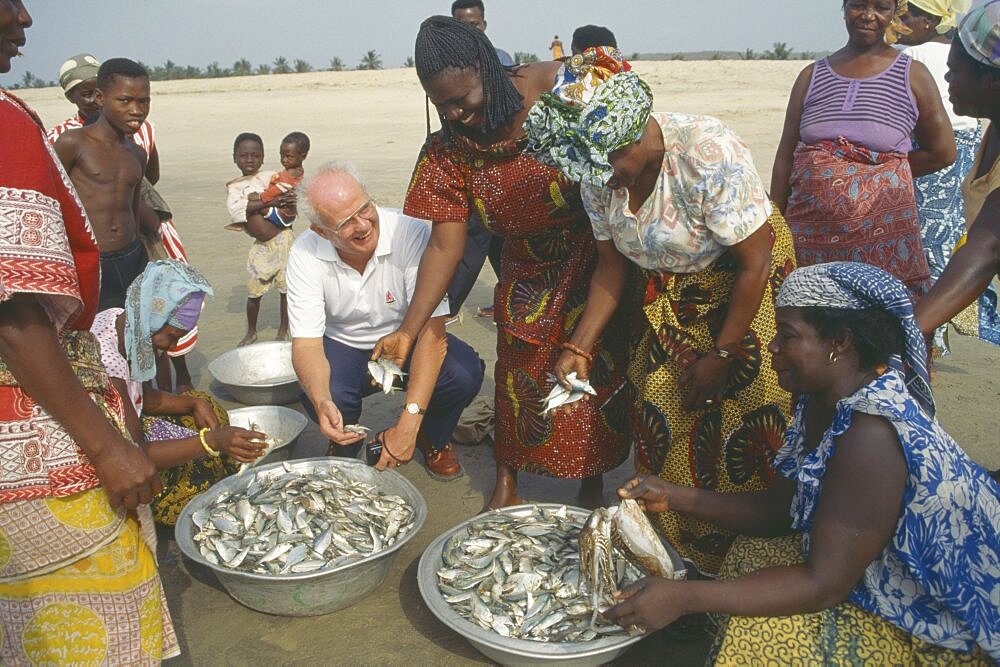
[[372, 60]]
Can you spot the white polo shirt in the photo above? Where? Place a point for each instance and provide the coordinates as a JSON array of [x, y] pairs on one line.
[[326, 297]]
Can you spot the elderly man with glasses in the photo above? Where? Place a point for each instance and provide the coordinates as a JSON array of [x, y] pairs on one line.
[[350, 278]]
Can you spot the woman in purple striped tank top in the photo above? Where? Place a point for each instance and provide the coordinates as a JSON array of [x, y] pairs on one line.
[[843, 173]]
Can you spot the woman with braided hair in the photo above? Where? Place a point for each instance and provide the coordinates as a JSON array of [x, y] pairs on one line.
[[547, 274]]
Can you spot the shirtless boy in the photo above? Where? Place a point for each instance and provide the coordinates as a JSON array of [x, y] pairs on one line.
[[107, 167]]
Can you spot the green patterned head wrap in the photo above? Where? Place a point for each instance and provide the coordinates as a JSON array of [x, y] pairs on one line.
[[578, 138]]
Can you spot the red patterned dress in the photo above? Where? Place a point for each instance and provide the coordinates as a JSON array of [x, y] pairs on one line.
[[549, 254]]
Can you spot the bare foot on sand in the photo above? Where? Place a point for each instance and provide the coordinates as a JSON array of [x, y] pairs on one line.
[[505, 492], [282, 335], [250, 338]]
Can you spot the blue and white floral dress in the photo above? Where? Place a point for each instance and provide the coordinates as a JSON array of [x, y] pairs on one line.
[[939, 577]]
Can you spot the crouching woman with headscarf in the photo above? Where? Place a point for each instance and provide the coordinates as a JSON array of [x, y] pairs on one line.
[[877, 543], [186, 435], [679, 196]]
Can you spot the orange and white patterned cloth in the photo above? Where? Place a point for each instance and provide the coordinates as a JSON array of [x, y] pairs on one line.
[[78, 579]]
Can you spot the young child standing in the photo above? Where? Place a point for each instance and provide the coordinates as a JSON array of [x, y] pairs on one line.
[[294, 150], [269, 252]]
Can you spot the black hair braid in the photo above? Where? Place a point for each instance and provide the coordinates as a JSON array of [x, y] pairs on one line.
[[445, 42]]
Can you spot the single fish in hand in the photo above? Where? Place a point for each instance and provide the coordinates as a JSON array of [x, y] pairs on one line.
[[271, 445], [357, 428], [385, 372], [560, 395]]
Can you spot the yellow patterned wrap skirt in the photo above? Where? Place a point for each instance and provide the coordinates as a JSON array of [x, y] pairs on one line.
[[727, 447], [183, 482], [105, 608], [842, 635]]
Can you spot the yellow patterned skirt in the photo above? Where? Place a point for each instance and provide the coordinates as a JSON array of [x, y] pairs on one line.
[[729, 446], [183, 482], [105, 608], [842, 635]]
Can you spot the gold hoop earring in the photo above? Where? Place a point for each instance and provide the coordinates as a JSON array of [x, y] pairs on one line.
[[832, 359]]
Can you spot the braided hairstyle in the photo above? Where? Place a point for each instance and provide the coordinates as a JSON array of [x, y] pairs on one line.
[[445, 42]]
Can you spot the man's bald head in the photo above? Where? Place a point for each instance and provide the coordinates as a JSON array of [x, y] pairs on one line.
[[335, 201]]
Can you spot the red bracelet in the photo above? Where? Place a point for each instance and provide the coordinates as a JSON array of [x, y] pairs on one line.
[[578, 351]]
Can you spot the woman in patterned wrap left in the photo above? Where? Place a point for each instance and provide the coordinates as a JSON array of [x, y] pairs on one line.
[[78, 579]]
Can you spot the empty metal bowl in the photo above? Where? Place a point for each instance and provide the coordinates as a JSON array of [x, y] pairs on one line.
[[509, 650], [258, 374], [280, 423], [309, 593]]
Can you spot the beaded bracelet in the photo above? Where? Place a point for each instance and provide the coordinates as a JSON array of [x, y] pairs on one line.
[[578, 351], [204, 443]]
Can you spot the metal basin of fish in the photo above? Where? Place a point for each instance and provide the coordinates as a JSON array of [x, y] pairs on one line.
[[309, 593], [282, 424], [258, 374], [509, 650]]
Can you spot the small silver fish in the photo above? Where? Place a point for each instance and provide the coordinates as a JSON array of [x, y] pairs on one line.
[[357, 428], [518, 576], [385, 372], [290, 520], [560, 395]]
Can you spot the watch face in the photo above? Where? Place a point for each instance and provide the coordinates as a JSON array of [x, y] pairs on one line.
[[412, 408]]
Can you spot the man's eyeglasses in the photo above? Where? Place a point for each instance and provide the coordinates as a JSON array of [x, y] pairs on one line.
[[366, 212]]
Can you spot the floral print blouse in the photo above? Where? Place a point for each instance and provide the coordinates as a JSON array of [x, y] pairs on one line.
[[708, 196], [938, 578]]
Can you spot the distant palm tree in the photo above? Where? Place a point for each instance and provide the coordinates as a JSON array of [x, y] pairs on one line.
[[302, 66], [263, 68], [371, 60], [281, 66], [748, 55], [409, 62], [242, 67], [522, 57], [337, 65], [214, 71], [779, 51]]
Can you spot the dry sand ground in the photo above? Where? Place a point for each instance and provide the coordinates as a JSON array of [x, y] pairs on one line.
[[376, 120]]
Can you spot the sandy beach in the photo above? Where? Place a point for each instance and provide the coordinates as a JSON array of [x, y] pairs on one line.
[[376, 120]]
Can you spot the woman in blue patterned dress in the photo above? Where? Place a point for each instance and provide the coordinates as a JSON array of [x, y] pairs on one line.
[[878, 541]]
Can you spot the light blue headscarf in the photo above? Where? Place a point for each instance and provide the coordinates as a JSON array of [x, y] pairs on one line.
[[856, 286], [155, 299]]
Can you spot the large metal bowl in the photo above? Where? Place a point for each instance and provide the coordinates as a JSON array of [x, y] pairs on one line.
[[310, 593], [280, 423], [258, 374], [508, 650]]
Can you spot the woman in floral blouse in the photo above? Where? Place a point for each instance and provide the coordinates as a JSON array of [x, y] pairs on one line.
[[679, 196], [877, 543]]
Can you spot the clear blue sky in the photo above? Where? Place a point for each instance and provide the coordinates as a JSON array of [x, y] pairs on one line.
[[198, 32]]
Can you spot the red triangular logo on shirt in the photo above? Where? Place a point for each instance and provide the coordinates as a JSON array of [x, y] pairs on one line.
[[389, 298]]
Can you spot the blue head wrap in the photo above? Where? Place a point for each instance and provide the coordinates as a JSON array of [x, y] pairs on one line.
[[856, 286], [151, 303]]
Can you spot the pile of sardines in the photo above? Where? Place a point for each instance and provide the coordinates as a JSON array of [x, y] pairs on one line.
[[287, 521], [519, 576]]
